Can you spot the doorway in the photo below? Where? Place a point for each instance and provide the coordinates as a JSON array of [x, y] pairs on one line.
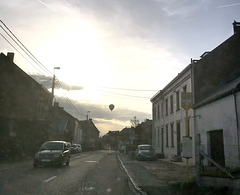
[[216, 145], [178, 139]]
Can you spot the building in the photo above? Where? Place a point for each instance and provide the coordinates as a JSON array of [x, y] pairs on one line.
[[90, 135], [169, 118], [25, 106], [63, 124], [217, 104], [143, 133]]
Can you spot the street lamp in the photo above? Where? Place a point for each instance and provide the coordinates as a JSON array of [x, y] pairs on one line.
[[53, 83]]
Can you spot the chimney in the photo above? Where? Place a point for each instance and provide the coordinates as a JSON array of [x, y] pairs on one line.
[[10, 56], [236, 27]]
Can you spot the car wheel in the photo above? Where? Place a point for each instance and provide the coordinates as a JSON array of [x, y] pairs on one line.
[[35, 165], [67, 163], [60, 164]]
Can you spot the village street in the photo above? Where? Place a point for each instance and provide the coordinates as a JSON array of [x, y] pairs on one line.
[[88, 173]]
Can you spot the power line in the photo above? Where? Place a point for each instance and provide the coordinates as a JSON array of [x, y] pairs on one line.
[[68, 100], [125, 89], [22, 45], [31, 56], [124, 94], [20, 53]]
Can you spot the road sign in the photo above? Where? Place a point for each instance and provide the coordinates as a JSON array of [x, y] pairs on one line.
[[186, 102]]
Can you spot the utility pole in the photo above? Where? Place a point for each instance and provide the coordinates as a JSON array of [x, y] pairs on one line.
[[53, 84], [135, 122], [87, 114]]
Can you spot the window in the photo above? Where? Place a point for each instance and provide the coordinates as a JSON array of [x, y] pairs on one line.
[[158, 111], [166, 135], [171, 104], [162, 108], [172, 136], [185, 88], [177, 101], [158, 137], [166, 106], [154, 113]]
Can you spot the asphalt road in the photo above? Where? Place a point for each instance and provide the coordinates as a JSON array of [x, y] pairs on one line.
[[89, 173]]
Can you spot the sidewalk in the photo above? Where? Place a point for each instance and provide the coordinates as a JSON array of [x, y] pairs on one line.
[[154, 176]]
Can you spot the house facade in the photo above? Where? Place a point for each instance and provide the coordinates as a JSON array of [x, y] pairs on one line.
[[90, 135], [217, 103], [169, 118], [63, 124], [143, 132], [24, 112]]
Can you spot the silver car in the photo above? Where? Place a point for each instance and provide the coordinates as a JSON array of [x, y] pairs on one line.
[[145, 152]]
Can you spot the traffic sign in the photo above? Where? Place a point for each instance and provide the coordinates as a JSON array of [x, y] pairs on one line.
[[186, 102]]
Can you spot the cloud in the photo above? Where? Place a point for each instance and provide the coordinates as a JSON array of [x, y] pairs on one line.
[[47, 83], [103, 118]]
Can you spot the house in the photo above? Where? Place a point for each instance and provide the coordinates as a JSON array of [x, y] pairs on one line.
[[25, 106], [126, 139], [90, 135], [217, 106], [63, 124], [169, 118], [143, 132]]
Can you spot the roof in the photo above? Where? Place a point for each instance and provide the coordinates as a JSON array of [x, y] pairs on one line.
[[160, 92], [59, 125], [227, 87], [88, 124]]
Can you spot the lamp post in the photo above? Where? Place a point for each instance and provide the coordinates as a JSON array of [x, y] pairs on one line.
[[53, 83]]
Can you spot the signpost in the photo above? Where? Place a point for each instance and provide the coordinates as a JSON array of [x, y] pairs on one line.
[[186, 103]]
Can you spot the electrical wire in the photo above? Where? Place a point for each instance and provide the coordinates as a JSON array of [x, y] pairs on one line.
[[31, 56], [39, 64], [125, 89], [22, 45], [20, 53]]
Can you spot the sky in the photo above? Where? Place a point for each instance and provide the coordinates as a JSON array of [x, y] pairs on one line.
[[119, 52]]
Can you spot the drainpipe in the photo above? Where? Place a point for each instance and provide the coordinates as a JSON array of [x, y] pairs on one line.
[[237, 123]]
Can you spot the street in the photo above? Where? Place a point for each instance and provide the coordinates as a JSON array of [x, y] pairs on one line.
[[89, 173]]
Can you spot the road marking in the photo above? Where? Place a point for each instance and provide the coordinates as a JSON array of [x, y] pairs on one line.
[[91, 161], [51, 178]]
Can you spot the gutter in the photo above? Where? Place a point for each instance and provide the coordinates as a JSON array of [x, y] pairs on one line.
[[237, 123], [217, 97]]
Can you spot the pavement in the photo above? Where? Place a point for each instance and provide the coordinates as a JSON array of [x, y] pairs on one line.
[[154, 177]]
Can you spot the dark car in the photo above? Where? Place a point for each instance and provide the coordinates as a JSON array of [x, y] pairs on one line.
[[145, 152], [76, 148], [52, 153]]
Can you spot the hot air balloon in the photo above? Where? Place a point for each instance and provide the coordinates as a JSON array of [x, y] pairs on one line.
[[111, 107]]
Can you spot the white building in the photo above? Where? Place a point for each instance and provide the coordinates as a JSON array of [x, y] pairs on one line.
[[169, 118], [217, 126], [217, 103]]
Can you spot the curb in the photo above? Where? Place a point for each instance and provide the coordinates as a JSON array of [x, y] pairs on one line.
[[132, 184]]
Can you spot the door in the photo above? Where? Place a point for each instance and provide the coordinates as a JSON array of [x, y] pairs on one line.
[[217, 146], [162, 142], [179, 150]]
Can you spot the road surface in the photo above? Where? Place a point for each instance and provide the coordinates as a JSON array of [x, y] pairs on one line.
[[89, 173]]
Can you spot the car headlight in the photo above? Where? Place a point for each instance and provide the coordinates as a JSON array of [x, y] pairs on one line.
[[56, 155]]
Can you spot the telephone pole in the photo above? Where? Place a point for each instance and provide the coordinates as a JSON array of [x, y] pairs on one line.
[[53, 84]]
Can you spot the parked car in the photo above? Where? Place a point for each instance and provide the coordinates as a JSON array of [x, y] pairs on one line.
[[52, 153], [145, 152], [76, 148]]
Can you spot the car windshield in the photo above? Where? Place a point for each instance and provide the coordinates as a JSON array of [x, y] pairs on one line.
[[52, 146], [145, 148]]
